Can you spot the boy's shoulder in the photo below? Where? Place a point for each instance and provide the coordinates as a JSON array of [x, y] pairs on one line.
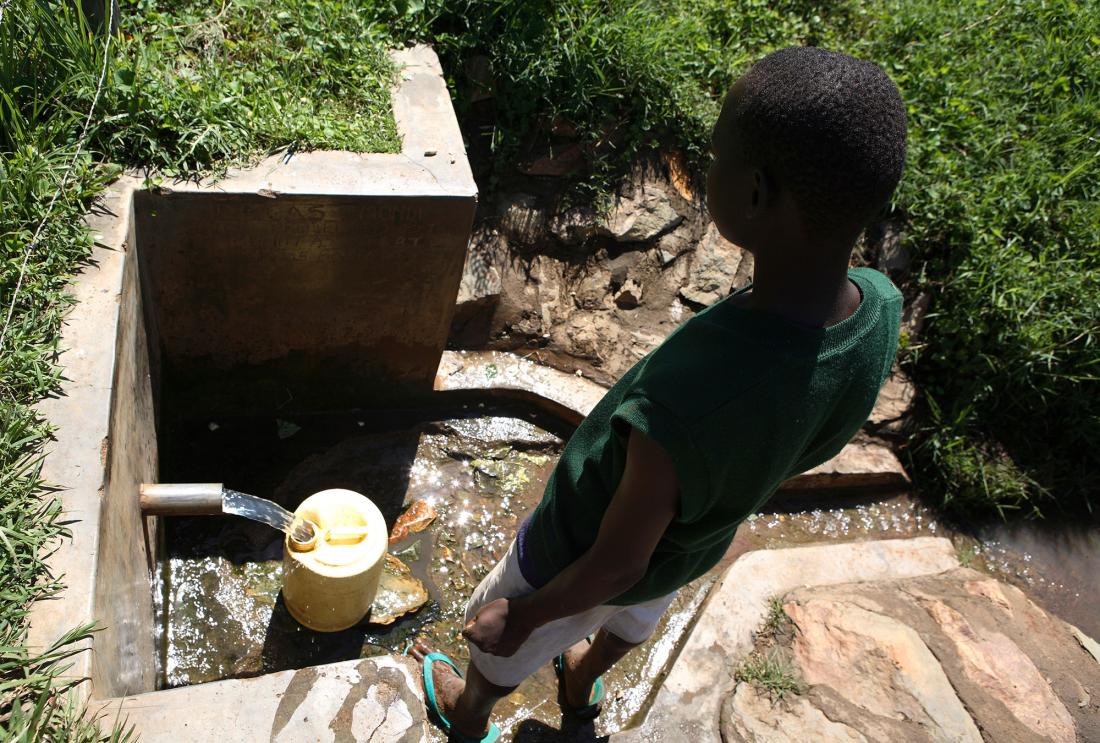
[[726, 353]]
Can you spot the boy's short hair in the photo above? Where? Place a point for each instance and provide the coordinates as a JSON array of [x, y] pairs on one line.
[[828, 126]]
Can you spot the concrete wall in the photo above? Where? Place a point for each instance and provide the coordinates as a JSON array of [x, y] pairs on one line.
[[300, 302], [104, 443], [123, 595], [338, 267], [323, 281]]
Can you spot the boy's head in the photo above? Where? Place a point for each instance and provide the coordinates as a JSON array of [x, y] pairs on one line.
[[810, 136]]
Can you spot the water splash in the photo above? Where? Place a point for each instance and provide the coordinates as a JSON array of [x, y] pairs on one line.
[[266, 512]]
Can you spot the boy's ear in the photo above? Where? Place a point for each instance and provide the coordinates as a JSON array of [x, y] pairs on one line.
[[758, 199]]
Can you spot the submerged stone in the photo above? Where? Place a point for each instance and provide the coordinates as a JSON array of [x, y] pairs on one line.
[[415, 519], [399, 593]]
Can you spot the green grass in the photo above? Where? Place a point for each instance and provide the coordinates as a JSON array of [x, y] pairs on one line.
[[769, 671], [1000, 199], [201, 85]]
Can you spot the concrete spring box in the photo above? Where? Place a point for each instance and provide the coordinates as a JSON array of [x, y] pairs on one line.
[[318, 281]]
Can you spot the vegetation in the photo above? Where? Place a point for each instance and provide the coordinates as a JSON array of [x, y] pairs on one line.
[[770, 671], [1000, 199], [180, 92]]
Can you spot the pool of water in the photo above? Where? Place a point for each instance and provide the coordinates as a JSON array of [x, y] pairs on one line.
[[221, 612]]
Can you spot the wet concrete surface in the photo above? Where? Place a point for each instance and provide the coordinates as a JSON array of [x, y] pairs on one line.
[[482, 473], [222, 614]]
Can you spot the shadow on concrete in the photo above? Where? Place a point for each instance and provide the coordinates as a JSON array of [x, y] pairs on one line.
[[533, 731]]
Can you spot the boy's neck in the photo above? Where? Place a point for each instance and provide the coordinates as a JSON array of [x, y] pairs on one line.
[[806, 287]]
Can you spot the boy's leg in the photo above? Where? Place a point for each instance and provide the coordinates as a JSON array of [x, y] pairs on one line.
[[623, 631], [467, 704], [585, 663]]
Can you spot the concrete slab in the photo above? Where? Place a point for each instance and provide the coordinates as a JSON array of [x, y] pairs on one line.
[[376, 700], [332, 272], [688, 704], [863, 463]]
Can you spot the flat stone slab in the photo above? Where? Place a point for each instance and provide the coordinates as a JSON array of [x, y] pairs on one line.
[[957, 656], [563, 395], [688, 704], [377, 700], [863, 463]]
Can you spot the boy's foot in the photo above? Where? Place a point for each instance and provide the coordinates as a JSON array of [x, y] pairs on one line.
[[576, 690], [448, 688]]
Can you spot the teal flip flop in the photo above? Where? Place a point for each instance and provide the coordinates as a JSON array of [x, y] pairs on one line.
[[590, 711], [433, 704]]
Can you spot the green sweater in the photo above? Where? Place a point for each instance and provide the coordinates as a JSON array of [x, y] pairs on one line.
[[741, 401]]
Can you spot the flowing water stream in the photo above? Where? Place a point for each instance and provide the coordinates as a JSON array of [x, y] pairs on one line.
[[266, 512]]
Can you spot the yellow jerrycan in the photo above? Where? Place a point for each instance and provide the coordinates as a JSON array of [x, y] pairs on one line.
[[330, 577]]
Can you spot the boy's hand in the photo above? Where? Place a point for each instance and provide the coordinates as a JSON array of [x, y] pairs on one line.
[[496, 630]]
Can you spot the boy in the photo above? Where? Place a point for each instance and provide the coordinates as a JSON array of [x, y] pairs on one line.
[[765, 384]]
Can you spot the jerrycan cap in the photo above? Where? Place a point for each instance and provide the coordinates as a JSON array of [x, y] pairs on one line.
[[341, 545]]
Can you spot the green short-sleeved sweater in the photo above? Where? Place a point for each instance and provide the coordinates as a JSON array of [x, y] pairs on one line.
[[741, 401]]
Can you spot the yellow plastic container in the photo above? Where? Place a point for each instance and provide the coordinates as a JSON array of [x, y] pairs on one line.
[[330, 580]]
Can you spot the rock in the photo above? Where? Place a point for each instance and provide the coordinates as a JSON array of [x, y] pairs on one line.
[[752, 717], [574, 226], [917, 642], [714, 267], [399, 593], [593, 290], [630, 296], [672, 245], [557, 162], [481, 276], [894, 399], [621, 267], [416, 519], [898, 676], [701, 679], [592, 336], [642, 217], [1001, 669], [521, 220]]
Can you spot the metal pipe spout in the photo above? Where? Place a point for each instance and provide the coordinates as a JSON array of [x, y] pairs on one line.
[[181, 499]]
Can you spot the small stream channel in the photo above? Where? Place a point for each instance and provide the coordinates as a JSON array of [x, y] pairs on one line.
[[481, 469]]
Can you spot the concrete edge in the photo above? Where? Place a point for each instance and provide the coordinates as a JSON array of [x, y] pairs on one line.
[[862, 464], [432, 161], [511, 378], [76, 459], [313, 703]]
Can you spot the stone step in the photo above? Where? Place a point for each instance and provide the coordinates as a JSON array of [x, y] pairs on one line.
[[377, 700], [688, 703], [863, 463]]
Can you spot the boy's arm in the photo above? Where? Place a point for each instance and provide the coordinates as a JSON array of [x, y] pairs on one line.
[[641, 509]]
